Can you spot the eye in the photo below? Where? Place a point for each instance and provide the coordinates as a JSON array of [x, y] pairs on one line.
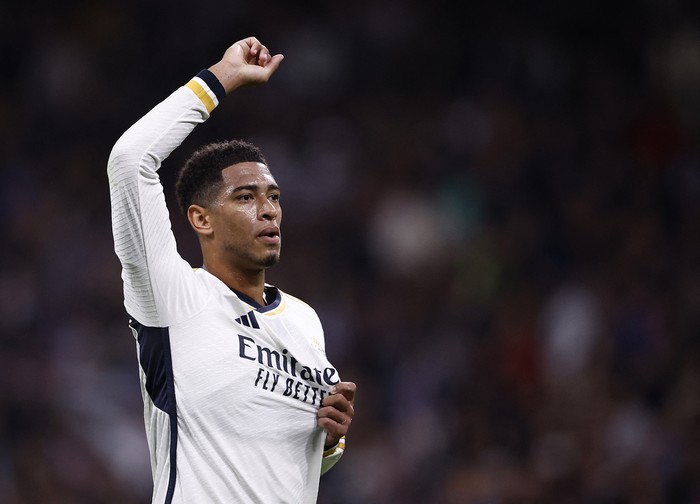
[[245, 197], [275, 197]]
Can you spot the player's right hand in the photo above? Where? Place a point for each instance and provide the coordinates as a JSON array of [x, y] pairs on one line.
[[245, 63]]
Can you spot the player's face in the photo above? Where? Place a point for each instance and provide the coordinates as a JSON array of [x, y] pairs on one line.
[[246, 216]]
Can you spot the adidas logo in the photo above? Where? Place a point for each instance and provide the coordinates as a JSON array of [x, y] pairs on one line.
[[249, 320]]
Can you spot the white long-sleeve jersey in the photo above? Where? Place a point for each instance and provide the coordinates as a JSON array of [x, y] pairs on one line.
[[231, 389]]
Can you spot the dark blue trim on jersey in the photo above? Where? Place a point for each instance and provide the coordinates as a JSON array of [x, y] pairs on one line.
[[270, 293], [157, 364], [213, 84]]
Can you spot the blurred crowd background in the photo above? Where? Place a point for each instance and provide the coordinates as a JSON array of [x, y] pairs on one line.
[[493, 206]]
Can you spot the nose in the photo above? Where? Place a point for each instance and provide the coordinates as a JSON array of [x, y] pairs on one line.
[[268, 210]]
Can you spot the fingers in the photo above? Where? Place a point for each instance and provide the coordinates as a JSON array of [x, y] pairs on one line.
[[329, 416], [337, 411], [346, 389], [339, 403], [334, 422], [247, 62], [258, 53]]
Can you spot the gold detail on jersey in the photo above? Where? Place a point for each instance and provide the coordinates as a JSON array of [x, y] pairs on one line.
[[279, 309], [338, 447], [202, 94]]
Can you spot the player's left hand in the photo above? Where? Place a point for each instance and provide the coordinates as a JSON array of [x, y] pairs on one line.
[[336, 412]]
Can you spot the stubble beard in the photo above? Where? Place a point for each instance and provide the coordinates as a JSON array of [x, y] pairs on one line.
[[246, 257], [271, 259]]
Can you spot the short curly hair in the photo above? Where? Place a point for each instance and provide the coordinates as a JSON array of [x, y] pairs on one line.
[[200, 179]]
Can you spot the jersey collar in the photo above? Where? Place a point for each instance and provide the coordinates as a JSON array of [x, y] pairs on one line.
[[272, 294]]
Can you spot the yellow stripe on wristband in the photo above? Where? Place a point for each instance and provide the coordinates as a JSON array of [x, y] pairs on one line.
[[202, 94], [339, 446]]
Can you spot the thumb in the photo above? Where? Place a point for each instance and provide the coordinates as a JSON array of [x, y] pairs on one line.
[[274, 63]]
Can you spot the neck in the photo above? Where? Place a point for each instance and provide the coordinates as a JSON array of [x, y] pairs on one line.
[[248, 282]]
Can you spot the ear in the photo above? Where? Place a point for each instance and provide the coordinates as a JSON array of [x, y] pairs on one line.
[[200, 220]]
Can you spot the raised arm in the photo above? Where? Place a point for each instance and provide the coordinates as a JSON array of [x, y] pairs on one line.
[[156, 279]]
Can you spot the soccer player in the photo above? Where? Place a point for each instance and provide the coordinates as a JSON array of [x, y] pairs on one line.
[[240, 401]]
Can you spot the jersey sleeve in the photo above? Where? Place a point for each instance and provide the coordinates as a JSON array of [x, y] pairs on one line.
[[332, 455], [158, 282]]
